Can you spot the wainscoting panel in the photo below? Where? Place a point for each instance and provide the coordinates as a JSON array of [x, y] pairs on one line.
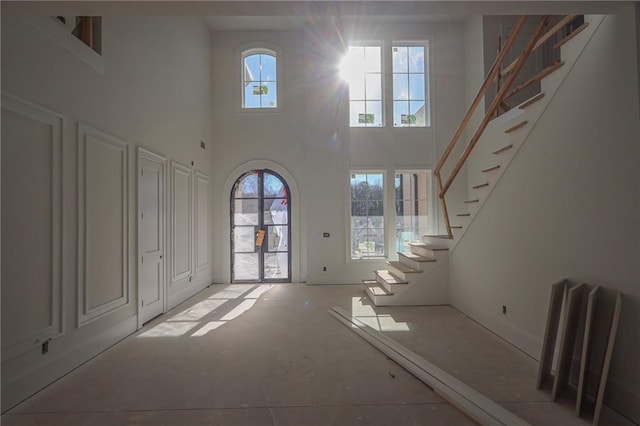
[[31, 226], [103, 193], [181, 223], [202, 222]]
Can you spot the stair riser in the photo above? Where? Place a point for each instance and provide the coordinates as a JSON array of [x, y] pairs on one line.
[[424, 252], [384, 284], [378, 300]]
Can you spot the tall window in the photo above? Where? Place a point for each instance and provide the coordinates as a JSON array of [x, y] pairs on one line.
[[259, 79], [362, 69], [409, 88], [411, 188], [367, 215]]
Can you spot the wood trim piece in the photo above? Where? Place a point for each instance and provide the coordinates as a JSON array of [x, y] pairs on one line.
[[470, 401], [551, 331], [531, 101], [571, 318], [607, 358], [472, 201], [463, 214], [493, 73], [482, 185], [516, 127], [585, 355], [564, 21], [572, 35]]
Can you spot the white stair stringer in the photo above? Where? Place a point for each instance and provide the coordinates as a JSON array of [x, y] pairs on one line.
[[494, 139]]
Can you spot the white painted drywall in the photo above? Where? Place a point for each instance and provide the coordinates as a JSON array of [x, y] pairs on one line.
[[155, 92], [310, 137], [567, 207]]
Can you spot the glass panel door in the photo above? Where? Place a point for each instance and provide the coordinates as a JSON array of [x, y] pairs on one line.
[[260, 241]]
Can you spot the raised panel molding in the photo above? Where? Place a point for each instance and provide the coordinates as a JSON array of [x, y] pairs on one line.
[[102, 186], [201, 221], [13, 346], [181, 223]]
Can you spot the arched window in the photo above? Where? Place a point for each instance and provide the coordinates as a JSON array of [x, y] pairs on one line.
[[259, 78]]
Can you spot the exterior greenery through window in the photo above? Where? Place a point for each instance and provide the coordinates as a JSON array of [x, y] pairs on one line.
[[411, 190], [409, 94], [259, 79], [367, 215], [362, 69]]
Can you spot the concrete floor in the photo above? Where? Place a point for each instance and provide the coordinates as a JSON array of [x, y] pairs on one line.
[[272, 355]]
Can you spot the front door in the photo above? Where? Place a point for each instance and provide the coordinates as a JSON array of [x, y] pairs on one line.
[[260, 228]]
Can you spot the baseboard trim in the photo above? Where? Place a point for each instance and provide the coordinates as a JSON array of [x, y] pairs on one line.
[[43, 375]]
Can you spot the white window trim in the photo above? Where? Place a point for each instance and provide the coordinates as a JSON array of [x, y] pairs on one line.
[[426, 43], [385, 207], [250, 49], [384, 76]]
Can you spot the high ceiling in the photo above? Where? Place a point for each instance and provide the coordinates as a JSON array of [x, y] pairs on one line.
[[270, 14]]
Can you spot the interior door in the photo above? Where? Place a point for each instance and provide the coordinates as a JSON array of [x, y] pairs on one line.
[[151, 246], [260, 228]]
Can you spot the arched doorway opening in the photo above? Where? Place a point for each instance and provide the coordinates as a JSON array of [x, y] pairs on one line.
[[260, 228]]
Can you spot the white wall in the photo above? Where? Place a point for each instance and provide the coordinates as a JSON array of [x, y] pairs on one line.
[[567, 207], [310, 138], [154, 92]]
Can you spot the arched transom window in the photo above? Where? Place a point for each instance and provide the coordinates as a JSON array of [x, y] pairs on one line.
[[259, 79]]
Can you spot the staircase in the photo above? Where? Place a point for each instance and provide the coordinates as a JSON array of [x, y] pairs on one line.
[[420, 277]]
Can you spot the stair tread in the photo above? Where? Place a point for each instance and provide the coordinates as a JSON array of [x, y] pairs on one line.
[[490, 169], [402, 267], [376, 289], [517, 126], [389, 278], [463, 214], [475, 200], [429, 246], [482, 185], [531, 101], [503, 149], [444, 236], [416, 257]]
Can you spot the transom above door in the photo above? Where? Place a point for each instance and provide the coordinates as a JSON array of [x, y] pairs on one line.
[[260, 228]]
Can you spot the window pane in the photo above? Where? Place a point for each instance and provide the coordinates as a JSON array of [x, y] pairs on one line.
[[268, 95], [418, 110], [374, 113], [252, 68], [245, 266], [248, 187], [400, 87], [400, 113], [252, 95], [276, 211], [416, 87], [399, 56], [411, 207], [357, 116], [244, 239], [268, 68], [276, 266], [273, 186], [356, 88], [416, 59], [372, 59], [245, 212], [373, 87]]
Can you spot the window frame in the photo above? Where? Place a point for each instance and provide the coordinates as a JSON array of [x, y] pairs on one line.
[[385, 218], [383, 82], [431, 225], [260, 48], [425, 43]]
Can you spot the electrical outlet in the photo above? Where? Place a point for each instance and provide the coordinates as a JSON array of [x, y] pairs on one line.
[[45, 347], [324, 268], [504, 309]]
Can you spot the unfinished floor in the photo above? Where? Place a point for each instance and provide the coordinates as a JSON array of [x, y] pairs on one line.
[[245, 354]]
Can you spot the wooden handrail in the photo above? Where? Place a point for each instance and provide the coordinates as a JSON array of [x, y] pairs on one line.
[[539, 76], [483, 90], [494, 105], [564, 21]]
